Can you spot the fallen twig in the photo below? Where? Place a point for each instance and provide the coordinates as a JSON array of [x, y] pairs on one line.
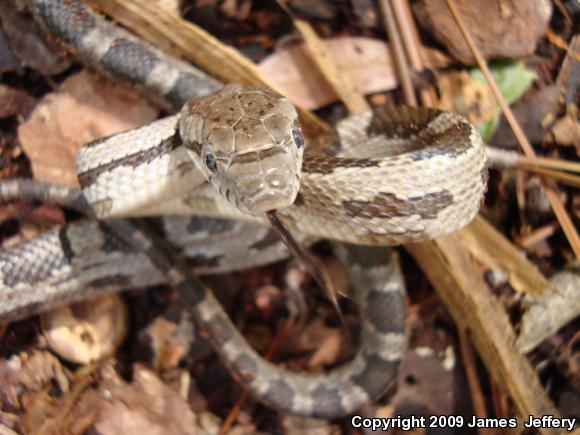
[[160, 26], [324, 60], [551, 191]]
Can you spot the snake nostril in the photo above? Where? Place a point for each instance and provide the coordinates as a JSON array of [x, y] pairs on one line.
[[279, 179]]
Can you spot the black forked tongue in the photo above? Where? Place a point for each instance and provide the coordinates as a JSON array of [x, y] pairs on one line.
[[316, 269]]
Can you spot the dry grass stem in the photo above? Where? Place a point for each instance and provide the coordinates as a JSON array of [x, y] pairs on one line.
[[324, 60], [551, 191], [163, 28]]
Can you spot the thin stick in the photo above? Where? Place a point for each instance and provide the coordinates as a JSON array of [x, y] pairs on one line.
[[317, 271], [500, 158], [325, 61], [470, 365], [396, 45], [556, 40], [542, 233], [413, 47], [546, 162], [562, 177], [563, 10], [162, 27], [409, 34], [553, 197]]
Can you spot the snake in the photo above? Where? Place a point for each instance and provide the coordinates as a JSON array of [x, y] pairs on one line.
[[396, 175]]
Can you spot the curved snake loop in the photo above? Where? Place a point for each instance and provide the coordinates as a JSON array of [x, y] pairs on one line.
[[428, 182]]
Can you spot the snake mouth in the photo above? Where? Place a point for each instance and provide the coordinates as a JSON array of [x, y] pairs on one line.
[[269, 201], [260, 193]]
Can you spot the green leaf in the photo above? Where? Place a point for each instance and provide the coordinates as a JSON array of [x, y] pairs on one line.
[[487, 128], [513, 79]]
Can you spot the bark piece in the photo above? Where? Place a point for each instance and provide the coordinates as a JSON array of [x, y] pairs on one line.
[[500, 28]]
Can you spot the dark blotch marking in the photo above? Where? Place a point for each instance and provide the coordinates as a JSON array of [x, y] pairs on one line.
[[158, 223], [386, 311], [67, 249], [271, 152], [160, 257], [280, 394], [112, 281], [191, 292], [377, 377], [325, 164], [132, 61], [202, 261], [410, 124], [387, 205], [270, 239], [368, 256], [452, 142], [194, 146], [114, 243], [219, 331], [244, 158], [133, 160], [69, 21], [207, 225], [299, 201], [326, 400], [401, 122], [245, 367]]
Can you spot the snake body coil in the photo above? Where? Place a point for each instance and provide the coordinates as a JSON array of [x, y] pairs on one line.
[[400, 175]]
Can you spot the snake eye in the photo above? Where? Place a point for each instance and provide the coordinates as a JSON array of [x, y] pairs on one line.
[[210, 162], [298, 139]]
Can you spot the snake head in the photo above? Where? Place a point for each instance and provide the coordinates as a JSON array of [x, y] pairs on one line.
[[248, 144]]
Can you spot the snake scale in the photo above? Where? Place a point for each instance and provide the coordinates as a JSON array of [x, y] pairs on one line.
[[398, 176]]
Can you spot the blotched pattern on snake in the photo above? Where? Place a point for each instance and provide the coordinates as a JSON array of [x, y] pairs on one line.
[[400, 175]]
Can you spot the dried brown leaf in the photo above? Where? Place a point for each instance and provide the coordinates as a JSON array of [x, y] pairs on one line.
[[14, 101], [502, 29], [327, 343], [84, 109], [146, 406], [170, 341], [27, 374], [183, 38], [366, 60], [320, 56], [427, 381], [566, 131]]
